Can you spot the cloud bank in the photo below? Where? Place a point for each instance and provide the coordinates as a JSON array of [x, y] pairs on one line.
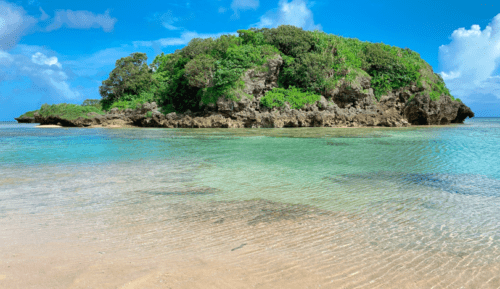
[[470, 61], [14, 23], [82, 20], [45, 73]]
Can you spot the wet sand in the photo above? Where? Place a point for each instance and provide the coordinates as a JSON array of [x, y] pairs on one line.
[[48, 126], [244, 244]]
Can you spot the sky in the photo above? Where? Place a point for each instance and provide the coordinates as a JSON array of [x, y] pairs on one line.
[[61, 51]]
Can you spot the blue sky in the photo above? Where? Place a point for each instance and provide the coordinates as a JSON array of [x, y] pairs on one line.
[[61, 51]]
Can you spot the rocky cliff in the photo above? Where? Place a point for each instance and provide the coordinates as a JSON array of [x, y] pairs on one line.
[[350, 104], [25, 119]]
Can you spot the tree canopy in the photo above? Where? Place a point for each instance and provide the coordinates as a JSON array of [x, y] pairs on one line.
[[130, 76], [314, 62]]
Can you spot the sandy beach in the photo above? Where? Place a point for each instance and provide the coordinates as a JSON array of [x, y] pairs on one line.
[[248, 244], [48, 126]]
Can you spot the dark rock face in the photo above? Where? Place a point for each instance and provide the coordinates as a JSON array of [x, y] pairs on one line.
[[25, 119], [422, 111], [349, 104]]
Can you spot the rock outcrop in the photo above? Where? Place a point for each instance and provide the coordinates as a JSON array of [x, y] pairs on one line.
[[348, 104], [25, 119]]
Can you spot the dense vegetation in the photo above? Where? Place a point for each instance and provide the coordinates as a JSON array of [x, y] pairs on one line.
[[313, 63], [68, 111], [29, 114]]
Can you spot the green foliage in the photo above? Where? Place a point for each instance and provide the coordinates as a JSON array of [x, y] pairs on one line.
[[178, 92], [92, 102], [308, 71], [197, 46], [68, 111], [221, 45], [290, 40], [439, 88], [293, 96], [252, 37], [130, 76], [228, 71], [390, 67], [149, 114], [29, 113], [314, 63], [200, 71], [132, 101]]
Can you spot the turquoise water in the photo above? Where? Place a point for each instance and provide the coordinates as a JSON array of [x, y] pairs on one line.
[[442, 182], [306, 165]]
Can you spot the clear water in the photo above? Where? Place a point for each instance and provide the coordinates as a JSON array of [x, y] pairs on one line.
[[435, 189]]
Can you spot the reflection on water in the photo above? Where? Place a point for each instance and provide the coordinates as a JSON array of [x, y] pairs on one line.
[[291, 208]]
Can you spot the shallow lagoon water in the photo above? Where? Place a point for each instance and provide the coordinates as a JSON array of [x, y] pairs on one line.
[[375, 201]]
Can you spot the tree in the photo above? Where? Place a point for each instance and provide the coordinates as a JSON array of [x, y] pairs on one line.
[[130, 76], [290, 40], [200, 71], [91, 102]]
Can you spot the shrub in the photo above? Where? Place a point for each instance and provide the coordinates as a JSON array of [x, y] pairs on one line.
[[93, 102], [68, 111], [252, 37], [197, 46], [200, 71], [390, 68], [293, 96], [29, 113], [290, 40]]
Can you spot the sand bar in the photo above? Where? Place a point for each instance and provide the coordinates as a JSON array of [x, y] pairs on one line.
[[48, 126]]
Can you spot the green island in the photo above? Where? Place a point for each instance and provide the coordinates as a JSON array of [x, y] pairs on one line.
[[279, 77]]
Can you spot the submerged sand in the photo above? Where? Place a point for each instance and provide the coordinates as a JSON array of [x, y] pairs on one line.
[[244, 244]]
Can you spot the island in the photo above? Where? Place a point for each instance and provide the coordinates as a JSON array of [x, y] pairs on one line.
[[267, 78]]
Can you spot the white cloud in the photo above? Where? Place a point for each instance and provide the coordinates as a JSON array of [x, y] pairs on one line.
[[5, 58], [45, 73], [82, 20], [469, 61], [57, 80], [451, 75], [14, 23], [167, 20], [222, 9], [237, 5], [294, 13], [182, 40], [44, 15], [41, 59]]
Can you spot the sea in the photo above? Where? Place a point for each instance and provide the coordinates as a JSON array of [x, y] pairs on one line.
[[415, 207]]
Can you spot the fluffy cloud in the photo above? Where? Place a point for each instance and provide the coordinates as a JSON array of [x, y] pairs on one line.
[[41, 59], [14, 23], [45, 73], [468, 63], [237, 5], [82, 20], [294, 13]]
